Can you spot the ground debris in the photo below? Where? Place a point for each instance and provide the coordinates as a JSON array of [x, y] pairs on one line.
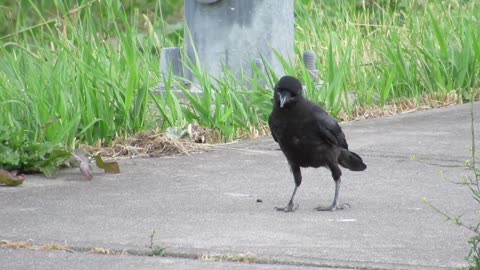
[[244, 257], [59, 247], [151, 143], [31, 246], [107, 251]]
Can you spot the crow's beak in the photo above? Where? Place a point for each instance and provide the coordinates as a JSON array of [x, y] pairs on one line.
[[284, 96]]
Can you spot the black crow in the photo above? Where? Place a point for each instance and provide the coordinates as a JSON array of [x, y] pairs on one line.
[[309, 137]]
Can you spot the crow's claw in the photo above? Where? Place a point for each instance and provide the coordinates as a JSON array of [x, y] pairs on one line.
[[332, 207], [288, 208]]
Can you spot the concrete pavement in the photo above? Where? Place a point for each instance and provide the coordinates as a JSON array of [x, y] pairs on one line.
[[207, 206]]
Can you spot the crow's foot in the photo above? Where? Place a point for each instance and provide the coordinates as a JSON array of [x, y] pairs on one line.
[[288, 208], [332, 207]]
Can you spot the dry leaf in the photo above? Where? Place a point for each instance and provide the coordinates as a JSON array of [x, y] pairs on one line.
[[11, 178], [109, 167], [84, 165]]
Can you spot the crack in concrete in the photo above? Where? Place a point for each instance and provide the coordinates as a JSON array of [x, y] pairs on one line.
[[246, 258]]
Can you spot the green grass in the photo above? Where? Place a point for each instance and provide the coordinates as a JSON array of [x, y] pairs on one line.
[[75, 72], [76, 81], [386, 51]]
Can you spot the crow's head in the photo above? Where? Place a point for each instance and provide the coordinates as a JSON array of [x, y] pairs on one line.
[[287, 91]]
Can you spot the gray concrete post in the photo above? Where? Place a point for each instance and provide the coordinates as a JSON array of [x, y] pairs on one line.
[[170, 65], [232, 33], [309, 58], [170, 60]]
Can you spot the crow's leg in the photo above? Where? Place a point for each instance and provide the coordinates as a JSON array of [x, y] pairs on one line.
[[290, 206], [336, 173], [297, 176]]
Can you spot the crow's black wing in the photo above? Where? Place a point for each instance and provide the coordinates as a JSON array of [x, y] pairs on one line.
[[272, 129], [328, 128]]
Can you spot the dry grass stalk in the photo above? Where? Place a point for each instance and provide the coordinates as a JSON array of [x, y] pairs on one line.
[[29, 245]]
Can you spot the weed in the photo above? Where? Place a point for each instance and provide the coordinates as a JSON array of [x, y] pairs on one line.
[[473, 183], [156, 250]]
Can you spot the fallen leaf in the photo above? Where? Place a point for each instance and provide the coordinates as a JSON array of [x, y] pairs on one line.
[[108, 167], [11, 178]]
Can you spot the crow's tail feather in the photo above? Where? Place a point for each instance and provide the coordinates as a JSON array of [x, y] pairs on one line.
[[351, 161]]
